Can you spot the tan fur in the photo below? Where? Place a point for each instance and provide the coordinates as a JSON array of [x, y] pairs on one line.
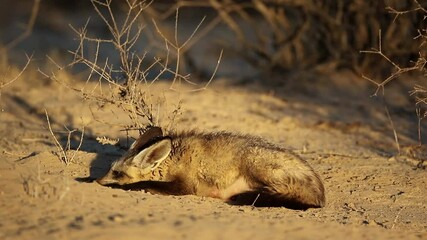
[[222, 165]]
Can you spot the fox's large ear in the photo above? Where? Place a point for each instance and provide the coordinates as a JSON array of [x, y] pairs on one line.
[[149, 134], [153, 155]]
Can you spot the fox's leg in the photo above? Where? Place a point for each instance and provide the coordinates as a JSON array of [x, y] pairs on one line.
[[239, 186]]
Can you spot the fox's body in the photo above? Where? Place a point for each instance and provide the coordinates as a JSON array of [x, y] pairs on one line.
[[219, 165]]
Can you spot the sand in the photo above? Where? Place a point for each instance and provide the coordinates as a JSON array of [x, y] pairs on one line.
[[372, 193]]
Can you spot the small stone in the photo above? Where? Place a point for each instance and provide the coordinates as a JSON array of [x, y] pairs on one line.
[[177, 223], [75, 225], [79, 219], [116, 218], [242, 210], [97, 223], [352, 206]]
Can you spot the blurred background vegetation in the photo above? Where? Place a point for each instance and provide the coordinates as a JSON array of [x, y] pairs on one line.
[[271, 36]]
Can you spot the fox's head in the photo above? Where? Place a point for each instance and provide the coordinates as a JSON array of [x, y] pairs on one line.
[[144, 156]]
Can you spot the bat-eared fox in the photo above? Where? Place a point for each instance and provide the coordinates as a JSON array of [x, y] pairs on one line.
[[238, 169]]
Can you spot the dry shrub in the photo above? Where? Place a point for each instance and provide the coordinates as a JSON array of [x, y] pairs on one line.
[[122, 68], [399, 68]]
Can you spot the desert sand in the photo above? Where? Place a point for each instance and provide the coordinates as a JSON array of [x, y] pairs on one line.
[[371, 192]]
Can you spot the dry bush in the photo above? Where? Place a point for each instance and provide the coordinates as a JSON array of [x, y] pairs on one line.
[[398, 69], [125, 83], [415, 66], [301, 35]]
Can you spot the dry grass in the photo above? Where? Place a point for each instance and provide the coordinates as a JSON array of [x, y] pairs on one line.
[[64, 152]]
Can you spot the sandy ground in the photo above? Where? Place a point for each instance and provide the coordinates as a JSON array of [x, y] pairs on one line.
[[371, 192]]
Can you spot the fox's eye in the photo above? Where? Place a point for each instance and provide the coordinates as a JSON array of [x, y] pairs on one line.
[[117, 174]]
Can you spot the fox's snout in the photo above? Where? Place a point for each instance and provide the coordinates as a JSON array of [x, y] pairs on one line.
[[106, 180], [101, 181]]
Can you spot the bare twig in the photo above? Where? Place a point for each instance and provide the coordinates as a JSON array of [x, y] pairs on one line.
[[397, 216], [256, 199], [396, 138], [420, 118], [10, 81], [61, 151], [398, 13], [398, 70], [4, 83], [212, 76], [177, 47]]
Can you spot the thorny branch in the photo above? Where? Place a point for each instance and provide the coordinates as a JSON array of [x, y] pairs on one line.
[[418, 65]]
